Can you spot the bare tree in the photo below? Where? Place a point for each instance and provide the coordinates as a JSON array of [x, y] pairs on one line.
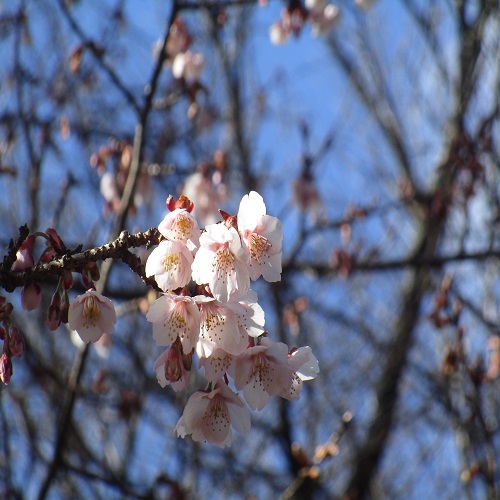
[[377, 146]]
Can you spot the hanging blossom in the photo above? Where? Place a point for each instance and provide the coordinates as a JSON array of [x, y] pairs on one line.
[[304, 366], [180, 225], [262, 236], [216, 365], [220, 329], [170, 263], [175, 316], [262, 371], [228, 326], [209, 416], [91, 315], [222, 262]]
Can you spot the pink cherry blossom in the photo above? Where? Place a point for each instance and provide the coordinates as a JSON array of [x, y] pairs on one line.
[[325, 20], [91, 315], [222, 262], [262, 236], [216, 365], [175, 316], [251, 319], [220, 329], [208, 416], [262, 371], [170, 264], [304, 366], [200, 188], [188, 65], [181, 225]]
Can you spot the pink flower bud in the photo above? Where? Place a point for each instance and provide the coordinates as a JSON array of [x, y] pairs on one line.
[[67, 280], [31, 296], [55, 246], [55, 240], [53, 319], [187, 361], [5, 309], [24, 257], [5, 369], [173, 365], [64, 307], [16, 342]]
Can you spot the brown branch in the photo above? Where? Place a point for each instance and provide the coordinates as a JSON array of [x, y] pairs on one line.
[[98, 53], [416, 261], [117, 249]]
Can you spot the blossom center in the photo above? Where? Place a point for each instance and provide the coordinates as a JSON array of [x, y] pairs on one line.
[[223, 262], [177, 323], [214, 320], [217, 416], [261, 370], [259, 247], [91, 311], [182, 227], [171, 263]]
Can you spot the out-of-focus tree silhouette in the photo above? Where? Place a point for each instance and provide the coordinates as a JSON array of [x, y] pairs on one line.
[[377, 145]]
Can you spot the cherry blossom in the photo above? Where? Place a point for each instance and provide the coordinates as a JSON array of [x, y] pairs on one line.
[[277, 34], [315, 5], [304, 366], [206, 198], [216, 365], [208, 416], [220, 329], [175, 316], [188, 65], [222, 262], [91, 315], [262, 235], [170, 263], [325, 20], [250, 315], [262, 371], [180, 225]]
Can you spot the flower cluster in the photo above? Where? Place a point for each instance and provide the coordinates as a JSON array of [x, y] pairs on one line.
[[186, 65], [208, 308], [322, 16]]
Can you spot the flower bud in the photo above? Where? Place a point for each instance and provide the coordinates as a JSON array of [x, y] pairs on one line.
[[187, 361], [5, 369], [173, 365], [64, 307], [16, 342], [31, 296], [53, 319], [24, 256], [5, 309], [66, 280]]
